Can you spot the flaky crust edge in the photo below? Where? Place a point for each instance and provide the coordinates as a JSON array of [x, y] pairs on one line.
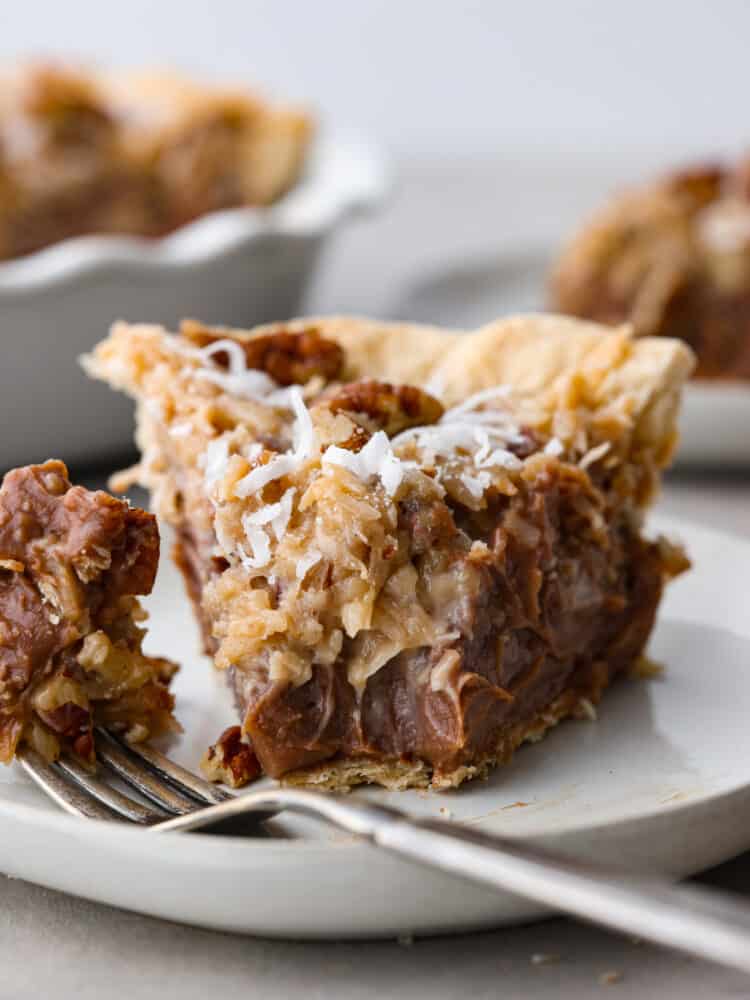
[[539, 355]]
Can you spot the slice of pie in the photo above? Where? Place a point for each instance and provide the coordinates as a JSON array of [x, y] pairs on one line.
[[410, 550], [672, 258], [71, 564], [95, 153]]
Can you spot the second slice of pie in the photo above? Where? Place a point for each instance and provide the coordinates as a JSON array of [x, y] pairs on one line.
[[410, 549]]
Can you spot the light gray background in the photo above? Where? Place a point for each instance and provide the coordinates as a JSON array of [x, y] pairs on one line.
[[433, 76], [505, 122]]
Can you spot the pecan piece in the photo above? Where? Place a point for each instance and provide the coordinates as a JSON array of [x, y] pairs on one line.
[[73, 723], [231, 760], [700, 185], [67, 106], [387, 407], [289, 358]]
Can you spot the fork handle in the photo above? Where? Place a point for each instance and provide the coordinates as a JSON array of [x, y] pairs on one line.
[[700, 921]]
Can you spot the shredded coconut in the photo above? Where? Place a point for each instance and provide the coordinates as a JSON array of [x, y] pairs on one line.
[[594, 454], [554, 447], [274, 514], [252, 451], [260, 547], [239, 380], [215, 461], [247, 383], [307, 562], [503, 458], [476, 485], [181, 429], [291, 461], [484, 435], [375, 459], [256, 479]]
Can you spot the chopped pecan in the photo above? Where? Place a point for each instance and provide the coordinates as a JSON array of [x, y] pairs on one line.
[[391, 408], [289, 358], [67, 105], [428, 523], [700, 185], [73, 723], [231, 760]]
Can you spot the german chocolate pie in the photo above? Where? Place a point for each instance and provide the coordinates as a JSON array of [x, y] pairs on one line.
[[672, 258], [94, 153], [409, 549], [71, 564]]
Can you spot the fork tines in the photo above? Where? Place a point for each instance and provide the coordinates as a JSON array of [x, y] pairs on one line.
[[168, 788]]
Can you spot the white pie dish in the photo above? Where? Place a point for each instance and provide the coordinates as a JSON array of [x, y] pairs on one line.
[[661, 780], [237, 267]]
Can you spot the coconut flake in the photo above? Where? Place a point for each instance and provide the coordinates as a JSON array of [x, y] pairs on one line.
[[181, 429], [257, 479], [253, 451], [554, 447], [483, 435], [594, 454], [281, 520], [306, 563], [476, 485], [283, 465], [260, 546], [302, 434], [240, 380], [275, 514], [215, 460], [375, 459], [501, 458], [471, 430], [248, 383]]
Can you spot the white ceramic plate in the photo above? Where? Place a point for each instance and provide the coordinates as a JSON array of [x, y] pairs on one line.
[[715, 423], [662, 781]]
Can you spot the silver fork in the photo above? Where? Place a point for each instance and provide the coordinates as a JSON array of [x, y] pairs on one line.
[[700, 921]]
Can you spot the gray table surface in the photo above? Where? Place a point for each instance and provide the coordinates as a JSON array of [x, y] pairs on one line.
[[54, 945]]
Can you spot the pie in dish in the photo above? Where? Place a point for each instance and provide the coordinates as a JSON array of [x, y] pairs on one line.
[[672, 258], [409, 549], [71, 564], [84, 153]]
